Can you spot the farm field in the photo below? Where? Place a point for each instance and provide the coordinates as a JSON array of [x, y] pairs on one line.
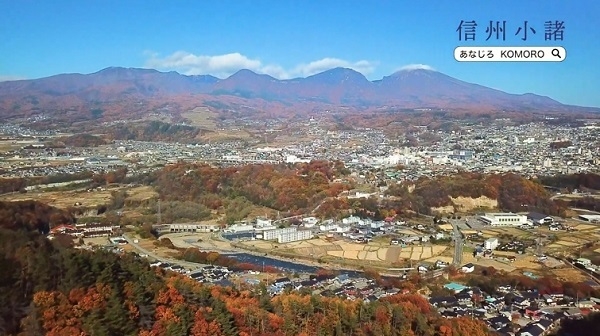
[[87, 199], [65, 199], [380, 252]]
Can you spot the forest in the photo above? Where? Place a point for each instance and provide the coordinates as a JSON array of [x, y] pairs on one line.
[[286, 188], [32, 216], [49, 289], [571, 182], [80, 140], [513, 192], [151, 131], [8, 185]]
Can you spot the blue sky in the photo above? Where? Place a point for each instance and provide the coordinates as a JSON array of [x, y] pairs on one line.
[[287, 38]]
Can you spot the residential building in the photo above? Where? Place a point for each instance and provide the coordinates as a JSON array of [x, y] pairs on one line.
[[468, 268], [294, 236], [274, 234], [262, 222], [491, 244]]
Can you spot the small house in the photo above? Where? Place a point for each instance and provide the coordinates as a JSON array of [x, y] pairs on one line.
[[468, 268]]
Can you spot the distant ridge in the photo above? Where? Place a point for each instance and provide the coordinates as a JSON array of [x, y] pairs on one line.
[[341, 87]]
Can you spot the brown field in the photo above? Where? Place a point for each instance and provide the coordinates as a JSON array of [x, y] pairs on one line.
[[567, 243], [417, 251], [99, 241], [440, 258], [226, 135], [505, 253], [351, 254], [140, 194], [65, 199], [484, 262], [201, 117], [508, 230], [393, 254], [527, 262], [445, 227], [585, 227], [569, 274], [427, 252]]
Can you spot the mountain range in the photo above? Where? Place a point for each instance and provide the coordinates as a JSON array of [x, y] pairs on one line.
[[132, 89]]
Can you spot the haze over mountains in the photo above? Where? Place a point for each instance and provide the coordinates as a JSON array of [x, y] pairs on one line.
[[339, 87]]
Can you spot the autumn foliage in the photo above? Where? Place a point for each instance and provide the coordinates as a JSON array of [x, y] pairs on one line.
[[513, 192], [32, 216], [280, 187], [49, 290]]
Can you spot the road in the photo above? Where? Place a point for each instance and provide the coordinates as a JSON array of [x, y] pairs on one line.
[[153, 255], [584, 271], [458, 244]]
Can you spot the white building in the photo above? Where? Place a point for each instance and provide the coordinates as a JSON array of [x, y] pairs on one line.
[[491, 244], [359, 194], [263, 222], [351, 220], [274, 234], [194, 227], [590, 218], [295, 159], [503, 219], [239, 228], [377, 224], [328, 227], [342, 229], [310, 221], [468, 268], [294, 236]]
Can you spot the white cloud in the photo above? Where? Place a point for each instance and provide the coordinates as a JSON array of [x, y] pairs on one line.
[[6, 78], [416, 67], [225, 65]]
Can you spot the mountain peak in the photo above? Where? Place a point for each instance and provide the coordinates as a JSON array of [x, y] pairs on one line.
[[338, 75], [415, 86], [123, 70], [247, 74]]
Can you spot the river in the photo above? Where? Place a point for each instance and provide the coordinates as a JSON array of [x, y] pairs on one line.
[[286, 266]]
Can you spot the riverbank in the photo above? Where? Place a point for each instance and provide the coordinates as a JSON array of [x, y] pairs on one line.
[[207, 242]]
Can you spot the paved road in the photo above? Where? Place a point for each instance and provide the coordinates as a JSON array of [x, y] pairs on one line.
[[153, 255], [458, 244]]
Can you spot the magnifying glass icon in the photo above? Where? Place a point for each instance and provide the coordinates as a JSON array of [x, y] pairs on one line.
[[556, 53]]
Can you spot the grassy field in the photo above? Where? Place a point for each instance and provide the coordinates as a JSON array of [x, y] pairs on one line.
[[201, 117], [141, 194], [88, 199], [65, 199]]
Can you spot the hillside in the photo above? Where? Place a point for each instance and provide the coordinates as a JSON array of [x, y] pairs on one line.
[[129, 94], [237, 190], [32, 216], [46, 289], [509, 192]]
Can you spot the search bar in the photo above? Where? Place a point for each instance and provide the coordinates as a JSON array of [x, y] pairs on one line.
[[510, 54]]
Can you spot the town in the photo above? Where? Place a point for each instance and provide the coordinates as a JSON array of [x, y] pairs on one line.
[[352, 256]]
